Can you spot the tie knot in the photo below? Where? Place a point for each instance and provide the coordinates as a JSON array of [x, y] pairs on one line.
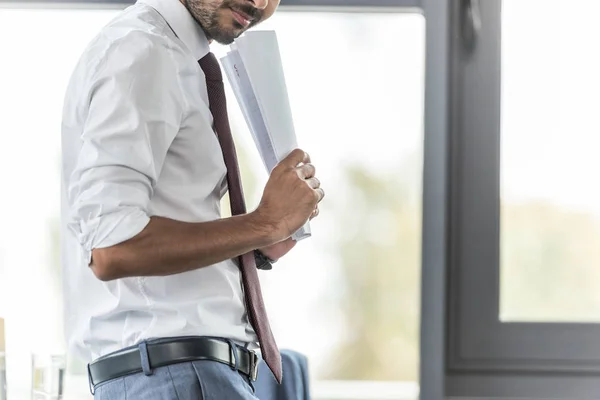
[[211, 68]]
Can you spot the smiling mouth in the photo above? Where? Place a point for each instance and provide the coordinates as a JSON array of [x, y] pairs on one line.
[[243, 19]]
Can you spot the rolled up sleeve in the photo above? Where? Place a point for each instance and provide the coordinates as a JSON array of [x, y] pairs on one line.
[[135, 107]]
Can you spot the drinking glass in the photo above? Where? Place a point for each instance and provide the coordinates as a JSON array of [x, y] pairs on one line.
[[2, 376], [48, 377]]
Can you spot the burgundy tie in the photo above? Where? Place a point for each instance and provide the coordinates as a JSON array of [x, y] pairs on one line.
[[254, 300]]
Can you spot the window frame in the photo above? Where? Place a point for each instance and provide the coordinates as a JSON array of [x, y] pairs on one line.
[[436, 185]]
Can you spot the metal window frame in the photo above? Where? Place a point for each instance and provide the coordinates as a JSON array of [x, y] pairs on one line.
[[436, 196]]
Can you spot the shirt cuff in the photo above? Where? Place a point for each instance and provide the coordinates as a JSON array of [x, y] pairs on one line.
[[111, 229]]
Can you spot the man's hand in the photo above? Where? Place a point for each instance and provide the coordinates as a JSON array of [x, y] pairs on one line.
[[291, 196], [278, 250]]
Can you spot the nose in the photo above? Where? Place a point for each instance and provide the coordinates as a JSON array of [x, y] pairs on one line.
[[260, 4]]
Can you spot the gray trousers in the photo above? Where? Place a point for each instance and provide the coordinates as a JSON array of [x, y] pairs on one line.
[[198, 380]]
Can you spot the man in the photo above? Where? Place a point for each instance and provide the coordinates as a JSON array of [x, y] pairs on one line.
[[161, 293]]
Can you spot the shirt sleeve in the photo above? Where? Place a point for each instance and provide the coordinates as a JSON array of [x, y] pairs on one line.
[[135, 110]]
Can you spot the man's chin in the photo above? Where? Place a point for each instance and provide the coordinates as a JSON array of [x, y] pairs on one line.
[[226, 39], [225, 36]]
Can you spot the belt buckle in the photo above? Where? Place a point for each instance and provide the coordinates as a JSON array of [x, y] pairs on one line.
[[254, 361], [91, 381]]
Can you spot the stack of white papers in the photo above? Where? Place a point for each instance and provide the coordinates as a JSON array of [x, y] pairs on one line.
[[254, 69]]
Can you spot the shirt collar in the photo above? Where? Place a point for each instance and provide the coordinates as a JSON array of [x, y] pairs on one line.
[[183, 24]]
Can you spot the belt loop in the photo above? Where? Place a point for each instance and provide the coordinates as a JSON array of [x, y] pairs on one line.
[[90, 382], [233, 349], [145, 358]]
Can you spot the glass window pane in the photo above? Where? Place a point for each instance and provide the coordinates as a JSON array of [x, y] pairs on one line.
[[348, 297], [550, 139]]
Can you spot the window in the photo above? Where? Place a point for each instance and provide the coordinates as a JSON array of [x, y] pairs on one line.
[[348, 296], [524, 219]]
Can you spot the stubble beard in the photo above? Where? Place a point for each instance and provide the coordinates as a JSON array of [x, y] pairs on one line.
[[207, 16]]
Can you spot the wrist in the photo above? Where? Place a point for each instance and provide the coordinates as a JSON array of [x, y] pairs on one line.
[[266, 229]]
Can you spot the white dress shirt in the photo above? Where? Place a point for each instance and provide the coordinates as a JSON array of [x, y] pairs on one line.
[[137, 141]]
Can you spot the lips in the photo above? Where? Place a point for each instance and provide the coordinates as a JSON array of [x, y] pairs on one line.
[[243, 19]]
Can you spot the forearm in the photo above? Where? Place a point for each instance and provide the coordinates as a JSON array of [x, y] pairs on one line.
[[167, 247]]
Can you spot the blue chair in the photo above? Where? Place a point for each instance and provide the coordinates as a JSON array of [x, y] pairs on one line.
[[295, 384]]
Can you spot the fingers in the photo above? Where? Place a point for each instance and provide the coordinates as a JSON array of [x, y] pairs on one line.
[[313, 182], [306, 171], [320, 193], [296, 157], [315, 213]]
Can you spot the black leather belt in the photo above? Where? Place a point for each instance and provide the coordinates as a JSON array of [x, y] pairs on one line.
[[172, 351]]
